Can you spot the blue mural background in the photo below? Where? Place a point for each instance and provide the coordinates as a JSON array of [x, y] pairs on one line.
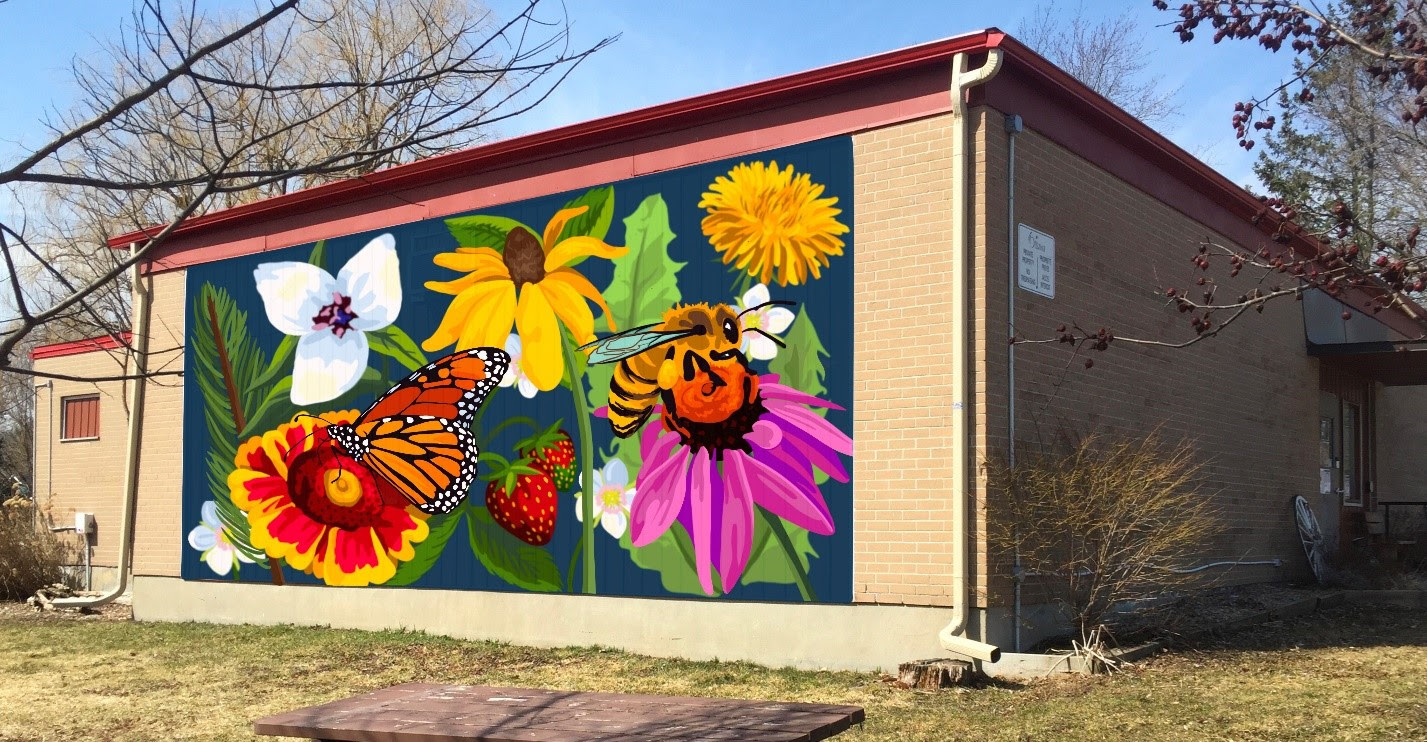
[[827, 302]]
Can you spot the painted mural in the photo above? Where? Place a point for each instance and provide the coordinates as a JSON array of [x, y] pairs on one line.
[[640, 389]]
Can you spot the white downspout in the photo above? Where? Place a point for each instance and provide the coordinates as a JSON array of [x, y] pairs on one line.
[[139, 353], [952, 636]]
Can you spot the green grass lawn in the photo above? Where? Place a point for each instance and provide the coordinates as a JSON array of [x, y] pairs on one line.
[[1343, 674]]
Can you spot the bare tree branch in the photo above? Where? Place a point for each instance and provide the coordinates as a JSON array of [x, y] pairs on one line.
[[186, 113]]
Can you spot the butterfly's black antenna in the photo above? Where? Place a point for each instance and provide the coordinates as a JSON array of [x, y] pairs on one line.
[[340, 469], [314, 430], [314, 417], [766, 334], [779, 302]]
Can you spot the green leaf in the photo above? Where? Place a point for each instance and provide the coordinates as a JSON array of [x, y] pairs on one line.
[[644, 285], [509, 558], [483, 230], [276, 406], [428, 551], [646, 280], [393, 342], [272, 411], [595, 221], [800, 365], [219, 323], [672, 556], [319, 255], [281, 362], [768, 563]]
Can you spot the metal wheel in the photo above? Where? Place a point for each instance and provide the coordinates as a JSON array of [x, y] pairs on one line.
[[1312, 536]]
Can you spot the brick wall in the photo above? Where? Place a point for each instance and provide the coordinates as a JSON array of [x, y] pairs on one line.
[[159, 532], [89, 475], [902, 385], [1402, 443], [1248, 398], [84, 476]]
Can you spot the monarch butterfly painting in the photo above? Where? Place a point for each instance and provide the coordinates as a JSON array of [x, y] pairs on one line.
[[417, 436]]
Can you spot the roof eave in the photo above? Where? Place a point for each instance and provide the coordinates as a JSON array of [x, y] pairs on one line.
[[575, 137]]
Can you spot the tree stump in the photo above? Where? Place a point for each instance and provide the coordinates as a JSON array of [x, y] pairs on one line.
[[936, 674]]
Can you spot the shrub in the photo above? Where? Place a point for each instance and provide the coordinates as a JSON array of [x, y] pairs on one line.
[[30, 557], [1104, 520]]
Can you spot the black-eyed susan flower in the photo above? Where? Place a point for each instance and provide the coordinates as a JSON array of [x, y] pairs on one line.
[[528, 285]]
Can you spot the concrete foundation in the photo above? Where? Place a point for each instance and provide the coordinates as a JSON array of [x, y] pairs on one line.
[[833, 637]]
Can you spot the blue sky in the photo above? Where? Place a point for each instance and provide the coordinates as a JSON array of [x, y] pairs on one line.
[[670, 50]]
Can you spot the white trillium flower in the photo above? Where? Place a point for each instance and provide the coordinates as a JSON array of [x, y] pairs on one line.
[[332, 316], [613, 495], [768, 318], [211, 538], [515, 374]]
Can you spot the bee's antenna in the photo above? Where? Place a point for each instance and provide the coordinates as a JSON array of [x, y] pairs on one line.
[[766, 334], [779, 302]]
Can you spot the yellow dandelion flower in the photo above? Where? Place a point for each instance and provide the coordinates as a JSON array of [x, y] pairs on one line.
[[528, 284], [765, 220]]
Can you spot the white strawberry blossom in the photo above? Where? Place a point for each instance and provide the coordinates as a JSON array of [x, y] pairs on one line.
[[613, 494], [515, 374], [211, 538], [772, 319]]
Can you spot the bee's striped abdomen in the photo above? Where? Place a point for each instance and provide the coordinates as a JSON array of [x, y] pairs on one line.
[[633, 392]]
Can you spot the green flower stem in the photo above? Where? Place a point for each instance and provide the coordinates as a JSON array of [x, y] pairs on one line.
[[587, 463], [574, 557], [775, 524], [518, 419]]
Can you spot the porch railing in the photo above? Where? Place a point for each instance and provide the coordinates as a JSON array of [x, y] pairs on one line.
[[1404, 520]]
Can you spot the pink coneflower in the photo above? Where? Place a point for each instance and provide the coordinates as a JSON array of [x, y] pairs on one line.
[[711, 487]]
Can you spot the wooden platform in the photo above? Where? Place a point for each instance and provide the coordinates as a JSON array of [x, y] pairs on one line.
[[424, 712]]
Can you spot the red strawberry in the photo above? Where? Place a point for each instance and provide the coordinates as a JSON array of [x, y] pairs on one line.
[[522, 499], [552, 451]]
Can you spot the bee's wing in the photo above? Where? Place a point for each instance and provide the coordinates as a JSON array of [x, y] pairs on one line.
[[629, 343]]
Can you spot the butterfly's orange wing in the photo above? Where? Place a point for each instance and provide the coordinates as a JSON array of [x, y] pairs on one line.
[[430, 460], [452, 388], [417, 436]]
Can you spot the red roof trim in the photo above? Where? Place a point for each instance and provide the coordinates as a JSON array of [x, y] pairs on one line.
[[734, 102], [722, 104], [87, 345]]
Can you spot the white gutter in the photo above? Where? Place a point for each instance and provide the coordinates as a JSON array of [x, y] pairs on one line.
[[139, 352], [952, 636]]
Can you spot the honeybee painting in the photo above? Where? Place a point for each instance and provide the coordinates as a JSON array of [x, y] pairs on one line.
[[692, 362]]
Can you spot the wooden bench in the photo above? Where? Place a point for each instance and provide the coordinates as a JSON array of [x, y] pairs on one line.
[[424, 712]]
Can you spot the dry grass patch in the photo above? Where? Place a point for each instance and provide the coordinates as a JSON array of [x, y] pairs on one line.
[[1342, 675]]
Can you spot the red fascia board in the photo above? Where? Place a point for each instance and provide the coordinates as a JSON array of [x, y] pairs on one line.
[[612, 129], [87, 345]]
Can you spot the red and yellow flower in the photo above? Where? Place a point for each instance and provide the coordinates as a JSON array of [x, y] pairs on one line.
[[320, 510]]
